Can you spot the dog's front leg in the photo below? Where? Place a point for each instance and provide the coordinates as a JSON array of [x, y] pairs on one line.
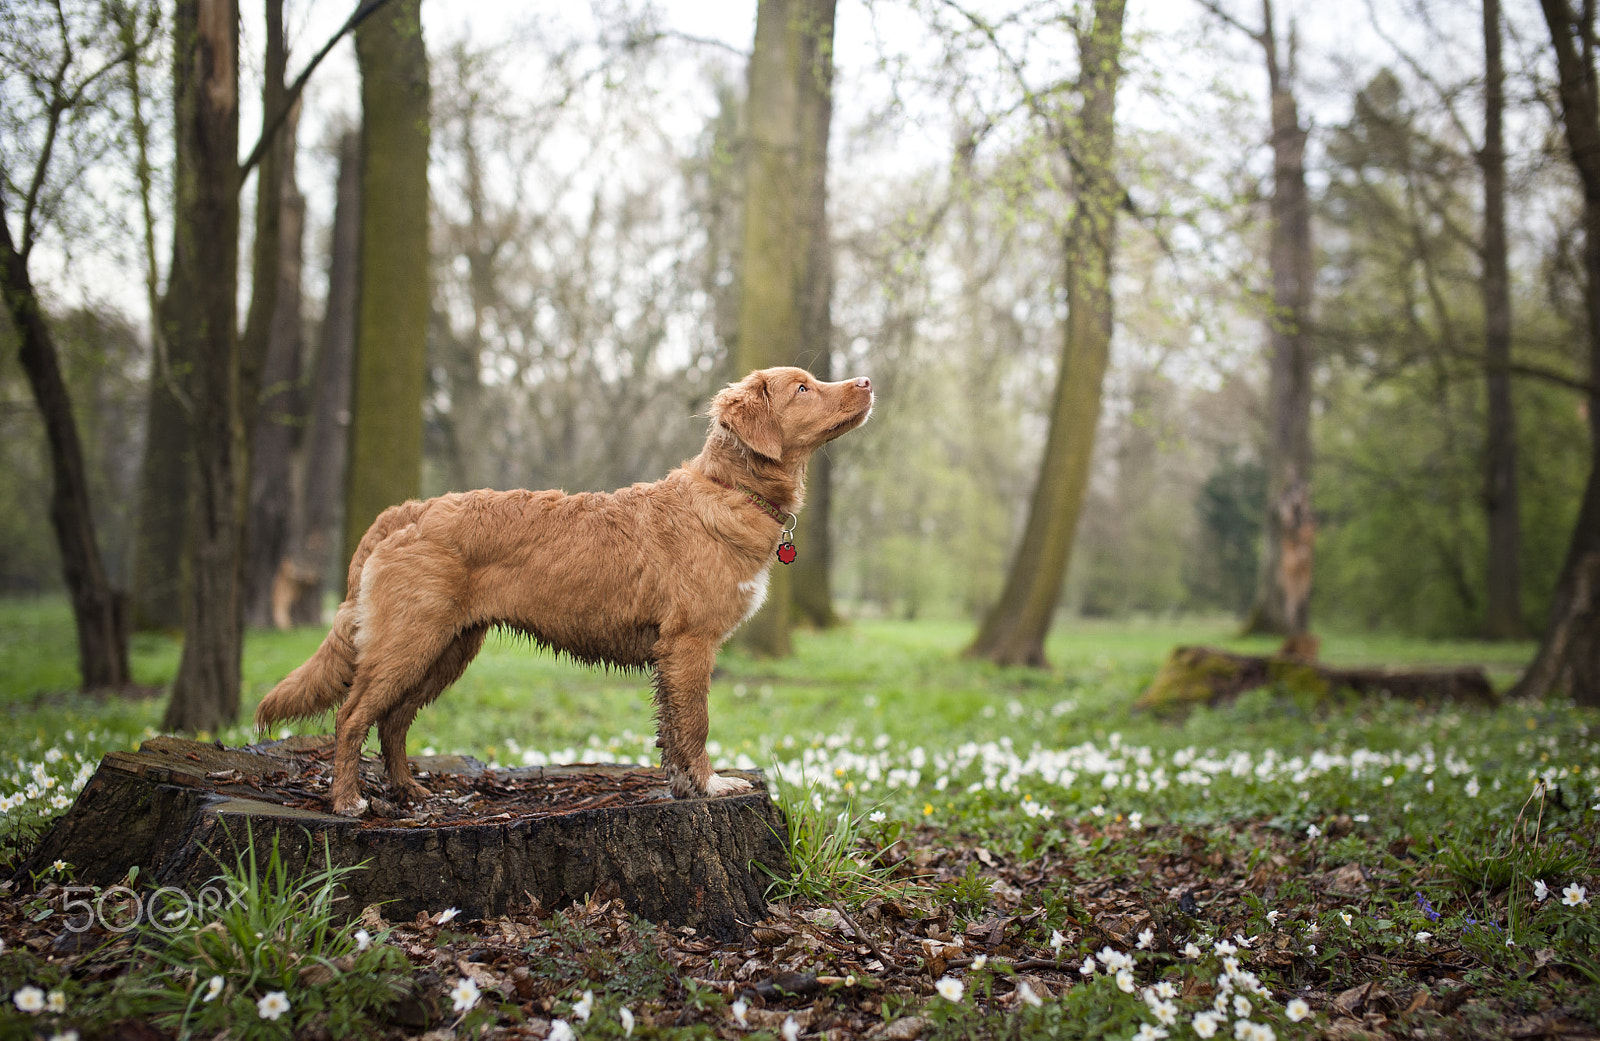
[[683, 684]]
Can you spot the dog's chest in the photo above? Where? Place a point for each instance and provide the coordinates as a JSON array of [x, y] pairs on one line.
[[754, 593]]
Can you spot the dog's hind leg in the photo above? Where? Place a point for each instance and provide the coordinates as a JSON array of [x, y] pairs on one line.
[[683, 684], [392, 728], [394, 662]]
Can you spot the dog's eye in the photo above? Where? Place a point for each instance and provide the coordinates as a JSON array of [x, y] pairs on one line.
[[802, 389]]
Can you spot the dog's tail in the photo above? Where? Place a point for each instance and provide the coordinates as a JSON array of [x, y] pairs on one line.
[[324, 679]]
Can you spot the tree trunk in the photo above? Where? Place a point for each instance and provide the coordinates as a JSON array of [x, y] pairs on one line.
[[99, 612], [551, 834], [260, 372], [1569, 654], [1284, 599], [783, 303], [202, 294], [1502, 504], [1014, 631], [158, 555], [278, 421], [1207, 676], [314, 531], [385, 462]]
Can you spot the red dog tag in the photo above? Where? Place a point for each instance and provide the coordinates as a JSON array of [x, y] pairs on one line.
[[786, 553]]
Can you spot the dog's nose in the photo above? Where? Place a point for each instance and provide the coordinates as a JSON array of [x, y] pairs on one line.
[[863, 383]]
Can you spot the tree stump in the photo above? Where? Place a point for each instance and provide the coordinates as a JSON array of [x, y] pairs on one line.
[[1207, 676], [487, 840]]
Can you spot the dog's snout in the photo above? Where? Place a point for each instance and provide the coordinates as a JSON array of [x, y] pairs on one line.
[[864, 383]]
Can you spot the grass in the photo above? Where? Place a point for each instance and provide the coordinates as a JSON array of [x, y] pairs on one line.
[[957, 791]]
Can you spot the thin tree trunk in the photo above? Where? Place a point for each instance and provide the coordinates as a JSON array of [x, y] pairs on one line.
[[1014, 631], [157, 595], [1569, 654], [783, 311], [99, 612], [1502, 505], [202, 297], [1284, 599], [278, 422], [314, 537], [385, 463]]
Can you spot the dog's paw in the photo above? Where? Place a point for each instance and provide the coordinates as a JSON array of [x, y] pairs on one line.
[[716, 786], [354, 808]]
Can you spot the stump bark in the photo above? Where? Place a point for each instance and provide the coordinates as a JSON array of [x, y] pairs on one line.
[[1207, 676], [487, 840]]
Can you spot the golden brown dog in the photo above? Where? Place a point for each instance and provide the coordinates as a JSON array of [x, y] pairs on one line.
[[653, 575]]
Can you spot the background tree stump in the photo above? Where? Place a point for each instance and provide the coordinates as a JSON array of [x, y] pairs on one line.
[[1206, 676], [487, 840]]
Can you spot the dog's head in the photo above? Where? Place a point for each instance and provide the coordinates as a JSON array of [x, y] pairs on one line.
[[784, 414]]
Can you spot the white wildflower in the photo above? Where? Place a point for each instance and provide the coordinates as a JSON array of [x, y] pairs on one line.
[[1204, 1024], [739, 1008], [1191, 950], [791, 1030], [1125, 981], [448, 914], [561, 1030], [56, 1001], [213, 989], [950, 989], [1296, 1009], [1025, 992], [1541, 892], [275, 1004], [363, 939], [29, 999], [1574, 895], [464, 995], [626, 1016], [584, 1007]]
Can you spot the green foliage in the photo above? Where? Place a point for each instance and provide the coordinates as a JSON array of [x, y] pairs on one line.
[[276, 934], [825, 856], [575, 954], [1222, 571], [968, 895]]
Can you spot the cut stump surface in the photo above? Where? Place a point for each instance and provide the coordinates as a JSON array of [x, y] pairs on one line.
[[486, 841]]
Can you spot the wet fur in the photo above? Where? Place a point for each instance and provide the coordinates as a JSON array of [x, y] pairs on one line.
[[653, 576]]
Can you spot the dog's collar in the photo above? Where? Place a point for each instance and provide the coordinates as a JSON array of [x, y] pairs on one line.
[[764, 504]]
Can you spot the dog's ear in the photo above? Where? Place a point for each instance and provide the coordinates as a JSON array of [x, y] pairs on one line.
[[746, 409]]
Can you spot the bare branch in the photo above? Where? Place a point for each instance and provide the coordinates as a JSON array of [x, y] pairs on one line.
[[1260, 36], [646, 39], [274, 121]]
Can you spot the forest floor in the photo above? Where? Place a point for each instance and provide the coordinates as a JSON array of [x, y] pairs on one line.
[[978, 852]]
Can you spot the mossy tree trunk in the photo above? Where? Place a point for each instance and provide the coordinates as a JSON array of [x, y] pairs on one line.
[[1014, 631], [784, 314], [385, 454], [202, 293], [1568, 659]]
